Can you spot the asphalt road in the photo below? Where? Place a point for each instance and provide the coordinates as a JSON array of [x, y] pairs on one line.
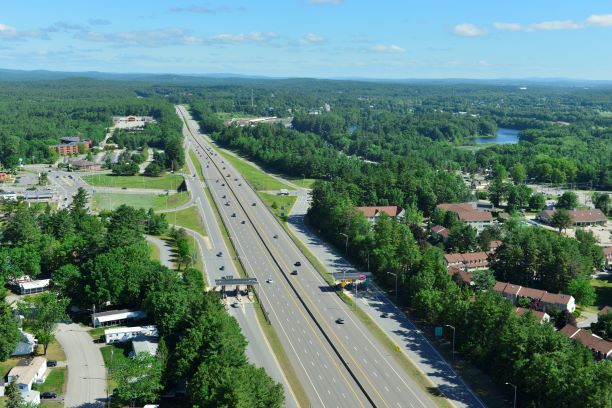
[[86, 372], [165, 252], [338, 364]]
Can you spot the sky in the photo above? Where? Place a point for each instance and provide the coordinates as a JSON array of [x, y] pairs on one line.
[[313, 38]]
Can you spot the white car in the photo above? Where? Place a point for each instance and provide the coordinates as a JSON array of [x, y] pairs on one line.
[[269, 280]]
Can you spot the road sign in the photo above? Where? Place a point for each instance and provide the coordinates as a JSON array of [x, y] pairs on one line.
[[282, 214], [438, 331]]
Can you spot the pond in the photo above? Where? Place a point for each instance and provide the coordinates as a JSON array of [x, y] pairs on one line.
[[503, 136]]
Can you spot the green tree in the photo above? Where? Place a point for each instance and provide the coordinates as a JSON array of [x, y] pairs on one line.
[[518, 173], [603, 326], [462, 238], [568, 200], [9, 330], [581, 289], [602, 201], [483, 280], [561, 220], [138, 379], [13, 395], [537, 202], [42, 313]]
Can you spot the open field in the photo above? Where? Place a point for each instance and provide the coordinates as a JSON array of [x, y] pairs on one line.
[[165, 182], [54, 383], [302, 182], [154, 250], [256, 178], [113, 355], [188, 218], [110, 201], [278, 204]]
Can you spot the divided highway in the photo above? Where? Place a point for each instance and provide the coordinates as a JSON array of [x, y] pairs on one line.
[[338, 364]]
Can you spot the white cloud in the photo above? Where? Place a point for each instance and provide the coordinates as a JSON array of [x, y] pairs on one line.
[[508, 26], [468, 30], [168, 36], [312, 39], [242, 38], [554, 25], [334, 2], [390, 49], [7, 31], [602, 20]]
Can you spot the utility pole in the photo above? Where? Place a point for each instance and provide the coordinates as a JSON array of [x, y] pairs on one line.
[[452, 327]]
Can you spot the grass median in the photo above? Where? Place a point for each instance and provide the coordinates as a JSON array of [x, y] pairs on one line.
[[110, 201], [197, 164], [189, 218], [279, 205], [258, 179]]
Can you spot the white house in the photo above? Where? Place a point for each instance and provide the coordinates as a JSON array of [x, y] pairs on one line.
[[123, 334], [35, 286], [27, 372], [116, 317], [26, 345]]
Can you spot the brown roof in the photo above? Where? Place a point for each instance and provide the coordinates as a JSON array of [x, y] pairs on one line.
[[390, 210], [556, 298], [588, 216], [588, 339], [440, 230], [503, 215], [466, 277], [569, 330], [499, 286], [495, 244], [531, 293], [466, 212], [605, 310], [452, 258], [468, 257], [607, 251], [523, 311]]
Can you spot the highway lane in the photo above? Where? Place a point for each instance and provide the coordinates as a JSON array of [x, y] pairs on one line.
[[380, 377], [318, 368]]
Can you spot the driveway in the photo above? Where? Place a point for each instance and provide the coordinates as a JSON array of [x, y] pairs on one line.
[[165, 251], [86, 372]]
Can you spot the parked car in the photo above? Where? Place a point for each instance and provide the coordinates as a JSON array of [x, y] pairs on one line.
[[48, 395], [51, 363]]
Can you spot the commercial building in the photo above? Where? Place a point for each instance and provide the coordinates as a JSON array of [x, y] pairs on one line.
[[123, 334], [116, 317], [470, 213], [580, 218], [541, 299], [600, 348], [70, 145], [84, 165], [35, 286], [372, 213], [28, 372]]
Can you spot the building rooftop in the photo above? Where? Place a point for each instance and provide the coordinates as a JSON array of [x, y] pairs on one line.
[[26, 369], [390, 210], [588, 339], [35, 284], [466, 212], [145, 345]]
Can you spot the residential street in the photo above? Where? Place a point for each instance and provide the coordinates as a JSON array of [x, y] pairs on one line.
[[86, 386]]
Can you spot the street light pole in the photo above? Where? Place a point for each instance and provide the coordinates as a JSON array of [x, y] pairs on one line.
[[346, 242], [513, 386], [452, 327], [394, 274]]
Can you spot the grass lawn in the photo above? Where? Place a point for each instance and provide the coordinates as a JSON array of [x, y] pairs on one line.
[[102, 201], [54, 352], [154, 251], [197, 164], [54, 382], [256, 178], [5, 366], [165, 182], [305, 183], [603, 292], [113, 355], [283, 204], [188, 218]]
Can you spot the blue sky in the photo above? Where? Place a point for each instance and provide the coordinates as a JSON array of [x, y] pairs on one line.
[[313, 38]]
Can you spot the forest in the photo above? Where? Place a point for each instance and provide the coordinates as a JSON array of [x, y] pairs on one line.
[[104, 259], [35, 114]]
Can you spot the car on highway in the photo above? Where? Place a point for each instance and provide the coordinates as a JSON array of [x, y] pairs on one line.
[[242, 222], [219, 253], [298, 263], [193, 175], [233, 215], [254, 204], [235, 304], [294, 272], [51, 363], [223, 185], [222, 268], [239, 184], [340, 320], [124, 188], [227, 203], [269, 280], [384, 315], [48, 395], [223, 196], [275, 236]]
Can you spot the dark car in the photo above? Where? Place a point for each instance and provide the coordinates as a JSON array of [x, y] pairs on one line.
[[223, 185], [298, 263], [384, 315], [51, 363], [340, 320], [275, 236], [233, 215], [219, 253], [48, 395], [294, 272], [242, 222], [222, 268], [124, 188], [254, 204]]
